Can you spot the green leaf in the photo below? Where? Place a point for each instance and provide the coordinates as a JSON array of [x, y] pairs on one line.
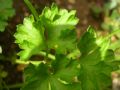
[[59, 76], [58, 32], [96, 61], [59, 28], [87, 42], [6, 11], [29, 38]]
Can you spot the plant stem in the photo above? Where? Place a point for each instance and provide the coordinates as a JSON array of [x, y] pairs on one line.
[[113, 33], [37, 61], [48, 55], [32, 9], [18, 61]]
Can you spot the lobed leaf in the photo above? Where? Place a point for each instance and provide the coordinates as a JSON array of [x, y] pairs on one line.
[[97, 62], [57, 77], [92, 70], [59, 27], [29, 38]]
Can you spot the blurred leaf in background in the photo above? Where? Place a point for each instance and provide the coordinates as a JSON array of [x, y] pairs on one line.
[[6, 11], [111, 23]]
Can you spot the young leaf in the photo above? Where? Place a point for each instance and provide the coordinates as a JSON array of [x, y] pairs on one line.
[[57, 77], [6, 11], [29, 38], [59, 27], [97, 62]]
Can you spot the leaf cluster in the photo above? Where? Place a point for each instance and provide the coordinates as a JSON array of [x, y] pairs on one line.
[[55, 30]]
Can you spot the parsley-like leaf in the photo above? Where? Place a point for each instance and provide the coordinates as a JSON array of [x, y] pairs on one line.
[[96, 61], [59, 27], [29, 38], [59, 76]]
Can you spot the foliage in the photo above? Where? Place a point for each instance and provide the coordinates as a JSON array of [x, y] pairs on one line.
[[54, 30], [6, 11], [68, 62], [54, 22], [61, 24], [3, 74], [97, 62], [110, 11], [29, 38], [112, 16], [58, 76], [112, 22], [111, 4]]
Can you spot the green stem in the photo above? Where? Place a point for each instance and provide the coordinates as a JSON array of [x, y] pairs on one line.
[[48, 55], [113, 33], [110, 35], [18, 61], [36, 61], [32, 9]]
